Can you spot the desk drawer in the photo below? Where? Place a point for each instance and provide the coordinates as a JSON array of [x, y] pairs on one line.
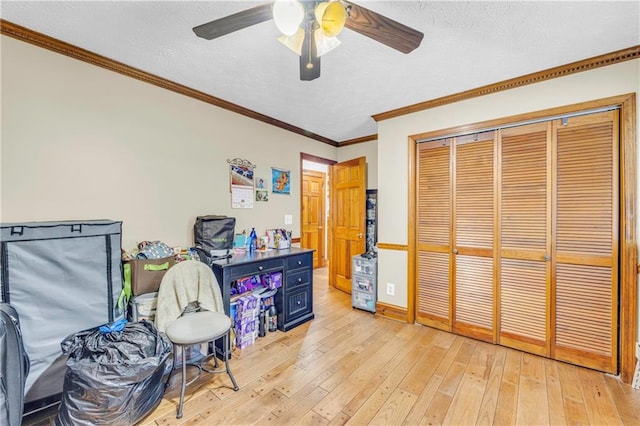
[[300, 261], [298, 278], [298, 302], [255, 268]]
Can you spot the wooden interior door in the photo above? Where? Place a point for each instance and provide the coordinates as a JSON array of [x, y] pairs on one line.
[[313, 215], [434, 234], [347, 232], [524, 273], [586, 250], [473, 234]]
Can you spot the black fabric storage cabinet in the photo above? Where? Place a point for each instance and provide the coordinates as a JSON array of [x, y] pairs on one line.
[[61, 277]]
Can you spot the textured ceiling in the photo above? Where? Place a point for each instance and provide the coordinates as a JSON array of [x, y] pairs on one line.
[[465, 45]]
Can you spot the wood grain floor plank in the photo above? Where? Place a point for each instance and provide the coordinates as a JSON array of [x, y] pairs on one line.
[[423, 411], [466, 402], [422, 370], [507, 404], [371, 366], [512, 367], [465, 405], [373, 394], [626, 398], [375, 350], [532, 392], [575, 412], [452, 379], [554, 393], [395, 408], [419, 409], [298, 405], [487, 411], [597, 399], [569, 380], [574, 409], [437, 409]]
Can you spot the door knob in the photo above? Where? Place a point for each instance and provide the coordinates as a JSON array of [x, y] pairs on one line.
[[360, 235], [455, 251]]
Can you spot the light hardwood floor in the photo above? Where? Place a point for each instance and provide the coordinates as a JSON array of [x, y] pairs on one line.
[[351, 367]]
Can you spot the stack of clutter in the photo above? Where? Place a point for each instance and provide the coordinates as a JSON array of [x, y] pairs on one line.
[[253, 307], [246, 320], [144, 268]]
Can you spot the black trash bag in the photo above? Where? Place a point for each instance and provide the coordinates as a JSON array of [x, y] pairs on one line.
[[114, 377]]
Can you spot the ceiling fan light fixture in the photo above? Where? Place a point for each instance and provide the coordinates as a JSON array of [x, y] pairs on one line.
[[324, 44], [288, 15], [293, 42], [310, 27], [331, 16]]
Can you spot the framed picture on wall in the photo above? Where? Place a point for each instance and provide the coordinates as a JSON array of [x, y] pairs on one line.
[[280, 181], [262, 195]]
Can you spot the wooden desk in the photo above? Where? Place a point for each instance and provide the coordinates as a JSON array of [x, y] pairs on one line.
[[294, 300]]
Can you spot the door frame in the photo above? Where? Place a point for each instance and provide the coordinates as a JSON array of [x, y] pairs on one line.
[[328, 162], [628, 248]]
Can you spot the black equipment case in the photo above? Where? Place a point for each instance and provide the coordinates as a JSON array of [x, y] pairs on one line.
[[214, 235], [61, 277]]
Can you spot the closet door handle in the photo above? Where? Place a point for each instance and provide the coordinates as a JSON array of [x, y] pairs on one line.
[[455, 251], [547, 258]]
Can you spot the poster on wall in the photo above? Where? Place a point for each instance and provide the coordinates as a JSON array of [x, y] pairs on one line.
[[280, 181], [241, 177]]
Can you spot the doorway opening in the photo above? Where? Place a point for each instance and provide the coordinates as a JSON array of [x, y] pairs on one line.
[[314, 206]]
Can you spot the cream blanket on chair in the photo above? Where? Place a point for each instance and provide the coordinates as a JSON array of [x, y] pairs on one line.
[[186, 282]]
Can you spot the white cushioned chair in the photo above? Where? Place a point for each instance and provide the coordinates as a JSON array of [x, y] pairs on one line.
[[190, 311]]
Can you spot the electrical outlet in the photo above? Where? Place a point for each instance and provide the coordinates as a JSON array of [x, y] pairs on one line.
[[391, 289], [637, 351], [288, 219]]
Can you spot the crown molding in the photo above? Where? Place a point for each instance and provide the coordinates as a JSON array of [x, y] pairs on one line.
[[32, 37], [536, 77], [362, 139]]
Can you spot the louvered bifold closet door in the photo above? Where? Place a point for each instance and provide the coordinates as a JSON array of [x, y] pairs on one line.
[[586, 254], [525, 243], [434, 233], [473, 212]]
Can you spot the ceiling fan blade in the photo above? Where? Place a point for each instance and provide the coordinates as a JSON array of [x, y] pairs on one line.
[[382, 29], [309, 59], [235, 22]]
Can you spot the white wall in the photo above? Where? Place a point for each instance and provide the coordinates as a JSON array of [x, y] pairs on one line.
[[81, 142], [599, 83], [318, 167], [364, 149]]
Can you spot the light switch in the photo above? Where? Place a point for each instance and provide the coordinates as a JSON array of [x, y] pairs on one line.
[[288, 219]]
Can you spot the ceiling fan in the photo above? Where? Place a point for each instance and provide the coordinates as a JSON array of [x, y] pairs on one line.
[[309, 28]]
